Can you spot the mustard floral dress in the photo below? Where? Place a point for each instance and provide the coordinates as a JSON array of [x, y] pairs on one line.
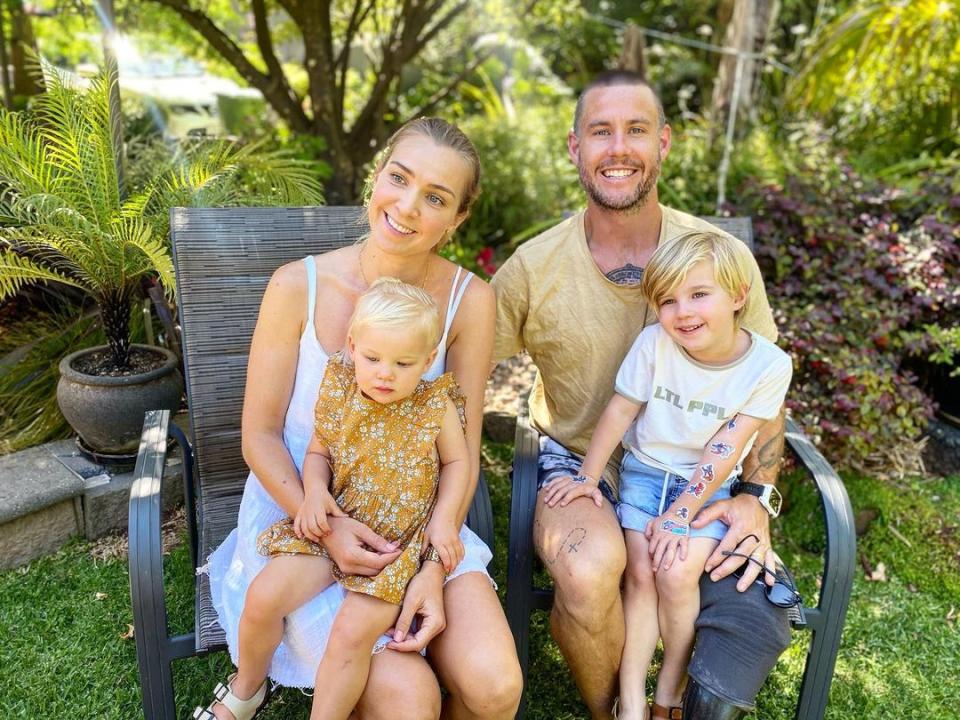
[[385, 471]]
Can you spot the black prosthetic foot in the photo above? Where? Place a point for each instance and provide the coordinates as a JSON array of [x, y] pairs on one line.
[[701, 704]]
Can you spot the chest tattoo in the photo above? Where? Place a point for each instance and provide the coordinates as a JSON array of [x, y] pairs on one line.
[[628, 274]]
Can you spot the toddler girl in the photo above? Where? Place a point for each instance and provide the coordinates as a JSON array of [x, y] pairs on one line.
[[389, 451], [689, 398]]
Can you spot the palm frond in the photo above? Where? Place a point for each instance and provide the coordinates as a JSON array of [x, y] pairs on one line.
[[17, 271]]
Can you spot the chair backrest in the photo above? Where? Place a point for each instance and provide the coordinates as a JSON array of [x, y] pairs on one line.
[[224, 258]]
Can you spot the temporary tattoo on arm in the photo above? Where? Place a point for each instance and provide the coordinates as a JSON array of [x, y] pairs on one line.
[[675, 528], [732, 423], [683, 513], [697, 490], [724, 450], [627, 275], [706, 473]]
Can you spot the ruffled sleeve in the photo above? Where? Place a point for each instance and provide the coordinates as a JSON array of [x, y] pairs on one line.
[[434, 395], [331, 400]]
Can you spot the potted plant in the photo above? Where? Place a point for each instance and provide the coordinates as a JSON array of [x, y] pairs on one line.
[[64, 218]]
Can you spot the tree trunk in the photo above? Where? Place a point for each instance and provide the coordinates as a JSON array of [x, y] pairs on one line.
[[632, 57], [115, 315], [746, 32], [4, 65], [22, 40]]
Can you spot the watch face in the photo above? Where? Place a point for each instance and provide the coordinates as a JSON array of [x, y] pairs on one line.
[[775, 501]]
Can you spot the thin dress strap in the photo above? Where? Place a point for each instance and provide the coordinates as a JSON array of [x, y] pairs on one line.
[[455, 298], [311, 266]]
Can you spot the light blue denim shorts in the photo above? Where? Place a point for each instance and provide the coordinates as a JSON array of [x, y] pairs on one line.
[[646, 492]]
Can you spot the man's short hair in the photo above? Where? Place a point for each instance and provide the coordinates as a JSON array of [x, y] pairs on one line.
[[611, 78], [671, 262]]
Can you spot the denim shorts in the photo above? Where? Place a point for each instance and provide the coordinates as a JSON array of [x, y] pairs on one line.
[[556, 461], [646, 492]]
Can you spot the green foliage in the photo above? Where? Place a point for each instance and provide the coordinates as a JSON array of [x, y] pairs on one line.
[[887, 75], [28, 379], [855, 270], [59, 661], [527, 178], [65, 220]]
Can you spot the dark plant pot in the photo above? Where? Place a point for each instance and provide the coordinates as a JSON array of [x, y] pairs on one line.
[[107, 412]]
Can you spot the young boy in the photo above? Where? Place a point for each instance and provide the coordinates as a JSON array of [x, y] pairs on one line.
[[690, 396]]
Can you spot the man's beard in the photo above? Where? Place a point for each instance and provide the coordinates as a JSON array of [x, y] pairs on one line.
[[626, 204]]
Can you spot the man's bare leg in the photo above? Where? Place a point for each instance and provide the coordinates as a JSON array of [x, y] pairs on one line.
[[582, 548]]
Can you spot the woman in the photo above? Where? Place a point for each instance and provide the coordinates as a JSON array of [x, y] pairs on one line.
[[423, 187]]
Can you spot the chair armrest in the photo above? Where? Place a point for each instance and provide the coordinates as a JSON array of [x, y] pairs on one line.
[[840, 556], [145, 555]]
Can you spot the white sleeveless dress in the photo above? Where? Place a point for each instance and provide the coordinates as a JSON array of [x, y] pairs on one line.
[[234, 564]]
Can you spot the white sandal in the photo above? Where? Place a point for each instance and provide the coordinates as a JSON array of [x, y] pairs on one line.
[[241, 709]]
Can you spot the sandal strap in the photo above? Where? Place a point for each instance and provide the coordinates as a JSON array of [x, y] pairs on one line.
[[667, 713], [241, 709]]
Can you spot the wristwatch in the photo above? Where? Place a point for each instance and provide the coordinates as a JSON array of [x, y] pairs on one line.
[[768, 495]]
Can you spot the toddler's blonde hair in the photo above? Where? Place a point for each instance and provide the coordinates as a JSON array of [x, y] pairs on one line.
[[392, 303], [670, 264]]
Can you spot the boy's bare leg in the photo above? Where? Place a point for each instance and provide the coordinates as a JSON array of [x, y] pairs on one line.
[[285, 584], [345, 666], [582, 548], [642, 628], [679, 591]]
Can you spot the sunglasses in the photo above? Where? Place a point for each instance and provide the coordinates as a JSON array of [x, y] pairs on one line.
[[783, 593]]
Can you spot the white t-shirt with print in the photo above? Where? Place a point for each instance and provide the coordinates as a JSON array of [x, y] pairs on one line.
[[687, 402]]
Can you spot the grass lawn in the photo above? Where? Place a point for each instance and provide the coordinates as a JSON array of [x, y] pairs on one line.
[[65, 650]]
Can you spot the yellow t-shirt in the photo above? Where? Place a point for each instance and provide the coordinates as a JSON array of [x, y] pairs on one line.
[[577, 325]]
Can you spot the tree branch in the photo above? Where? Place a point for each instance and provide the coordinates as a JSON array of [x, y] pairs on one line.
[[342, 63], [265, 45], [231, 52], [444, 92]]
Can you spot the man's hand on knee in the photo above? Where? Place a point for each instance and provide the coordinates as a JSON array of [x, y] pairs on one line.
[[748, 534]]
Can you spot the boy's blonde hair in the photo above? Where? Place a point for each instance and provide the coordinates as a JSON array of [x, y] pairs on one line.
[[392, 303], [670, 264]]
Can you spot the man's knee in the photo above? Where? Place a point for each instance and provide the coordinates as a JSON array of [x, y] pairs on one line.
[[587, 577]]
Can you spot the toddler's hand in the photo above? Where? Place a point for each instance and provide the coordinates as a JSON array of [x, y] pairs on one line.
[[445, 538], [668, 536], [311, 519], [566, 489]]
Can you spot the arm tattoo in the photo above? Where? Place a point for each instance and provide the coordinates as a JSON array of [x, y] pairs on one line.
[[768, 458]]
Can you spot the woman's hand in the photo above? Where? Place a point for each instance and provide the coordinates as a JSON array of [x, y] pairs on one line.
[[424, 598], [311, 519], [356, 549], [668, 536], [445, 538]]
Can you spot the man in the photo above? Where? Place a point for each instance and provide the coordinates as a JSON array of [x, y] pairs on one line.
[[571, 298]]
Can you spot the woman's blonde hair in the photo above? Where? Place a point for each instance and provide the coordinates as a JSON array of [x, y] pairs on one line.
[[445, 134], [671, 262], [392, 303]]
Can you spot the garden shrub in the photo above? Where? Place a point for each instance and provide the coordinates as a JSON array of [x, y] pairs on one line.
[[863, 279], [527, 180]]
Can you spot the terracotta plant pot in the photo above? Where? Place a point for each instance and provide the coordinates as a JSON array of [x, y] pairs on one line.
[[106, 411]]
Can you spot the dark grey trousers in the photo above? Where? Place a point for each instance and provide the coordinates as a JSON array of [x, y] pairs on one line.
[[739, 638]]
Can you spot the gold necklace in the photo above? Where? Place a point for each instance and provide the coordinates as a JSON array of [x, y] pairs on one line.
[[363, 275]]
